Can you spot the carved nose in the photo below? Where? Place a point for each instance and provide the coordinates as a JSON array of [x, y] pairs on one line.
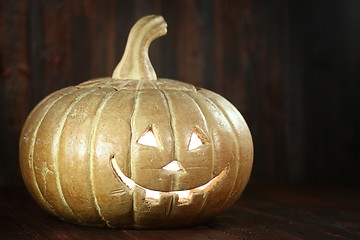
[[174, 166]]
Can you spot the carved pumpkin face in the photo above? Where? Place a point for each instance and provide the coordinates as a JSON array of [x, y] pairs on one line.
[[135, 153]]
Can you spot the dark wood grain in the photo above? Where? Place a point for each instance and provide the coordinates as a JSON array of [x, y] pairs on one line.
[[15, 84], [263, 212], [290, 67]]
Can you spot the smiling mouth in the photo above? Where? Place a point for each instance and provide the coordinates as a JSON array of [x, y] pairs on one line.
[[183, 196]]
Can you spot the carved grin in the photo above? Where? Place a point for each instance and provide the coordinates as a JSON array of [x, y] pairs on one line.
[[184, 196]]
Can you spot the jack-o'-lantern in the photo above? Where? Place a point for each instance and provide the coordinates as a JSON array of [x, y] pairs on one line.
[[135, 151]]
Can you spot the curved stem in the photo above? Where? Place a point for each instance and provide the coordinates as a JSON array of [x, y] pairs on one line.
[[135, 63]]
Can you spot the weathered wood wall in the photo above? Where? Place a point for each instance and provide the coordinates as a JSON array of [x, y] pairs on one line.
[[291, 67]]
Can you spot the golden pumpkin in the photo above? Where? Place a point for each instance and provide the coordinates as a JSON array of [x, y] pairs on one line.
[[135, 151]]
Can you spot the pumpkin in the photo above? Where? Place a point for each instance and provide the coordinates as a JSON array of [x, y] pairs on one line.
[[135, 151]]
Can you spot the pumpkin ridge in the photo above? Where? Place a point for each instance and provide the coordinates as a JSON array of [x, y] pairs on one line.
[[136, 100], [172, 98], [166, 103], [192, 96], [171, 116], [135, 109], [210, 136], [32, 147], [235, 138], [57, 138], [94, 127]]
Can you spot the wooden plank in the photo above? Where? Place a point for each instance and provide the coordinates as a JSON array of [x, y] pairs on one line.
[[298, 213], [189, 43], [263, 212], [15, 87]]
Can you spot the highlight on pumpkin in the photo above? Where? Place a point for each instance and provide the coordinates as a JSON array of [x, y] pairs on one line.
[[184, 196]]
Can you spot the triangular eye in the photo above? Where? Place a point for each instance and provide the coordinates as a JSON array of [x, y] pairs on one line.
[[195, 141], [148, 138]]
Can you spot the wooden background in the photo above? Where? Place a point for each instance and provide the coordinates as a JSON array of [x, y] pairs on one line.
[[292, 67]]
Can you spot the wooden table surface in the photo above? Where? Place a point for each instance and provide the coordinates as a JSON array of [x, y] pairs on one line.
[[263, 212]]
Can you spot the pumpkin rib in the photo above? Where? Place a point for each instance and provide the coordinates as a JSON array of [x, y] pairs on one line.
[[203, 203], [32, 147], [135, 109], [136, 100], [166, 103], [57, 137], [172, 124], [236, 140], [244, 153], [171, 115], [193, 97], [94, 127], [109, 188]]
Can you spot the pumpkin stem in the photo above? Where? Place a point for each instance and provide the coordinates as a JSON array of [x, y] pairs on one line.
[[135, 63]]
